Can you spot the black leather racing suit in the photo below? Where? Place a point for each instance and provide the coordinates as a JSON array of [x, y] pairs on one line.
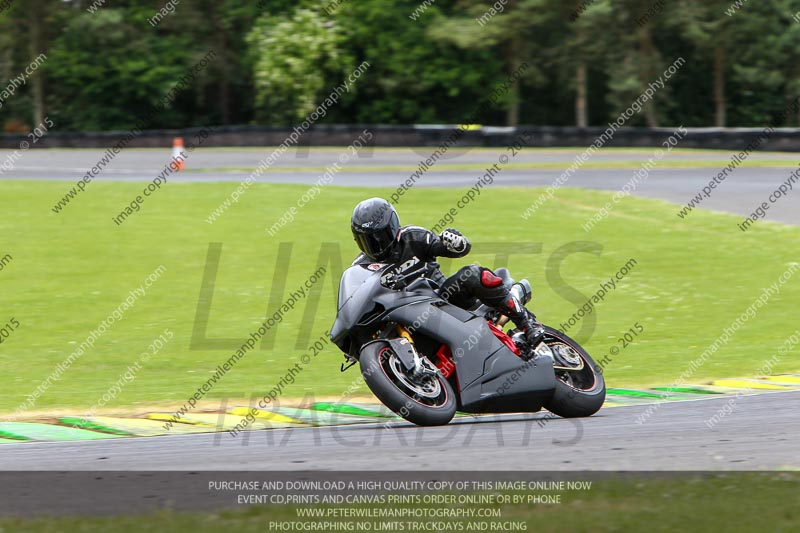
[[417, 249]]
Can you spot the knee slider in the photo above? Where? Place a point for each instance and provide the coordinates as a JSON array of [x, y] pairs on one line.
[[488, 279]]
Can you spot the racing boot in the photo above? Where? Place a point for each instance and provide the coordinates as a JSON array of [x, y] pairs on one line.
[[513, 309]]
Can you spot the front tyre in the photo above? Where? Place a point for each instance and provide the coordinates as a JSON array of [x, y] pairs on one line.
[[426, 401], [580, 388]]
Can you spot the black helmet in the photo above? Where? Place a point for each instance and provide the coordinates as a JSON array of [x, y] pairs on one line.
[[375, 226]]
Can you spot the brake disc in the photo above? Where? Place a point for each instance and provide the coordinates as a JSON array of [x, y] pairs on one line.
[[567, 358], [429, 388]]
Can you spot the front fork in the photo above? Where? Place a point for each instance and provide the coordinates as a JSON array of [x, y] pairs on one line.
[[420, 366], [419, 363]]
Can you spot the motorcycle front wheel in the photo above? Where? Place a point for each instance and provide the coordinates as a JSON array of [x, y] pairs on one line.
[[426, 400]]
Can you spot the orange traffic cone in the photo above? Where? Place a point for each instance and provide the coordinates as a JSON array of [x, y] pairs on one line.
[[178, 158]]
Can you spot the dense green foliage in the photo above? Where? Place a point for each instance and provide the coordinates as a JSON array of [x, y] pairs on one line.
[[109, 61]]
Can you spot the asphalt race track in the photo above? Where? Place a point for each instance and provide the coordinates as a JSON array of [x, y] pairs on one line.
[[759, 434], [743, 189]]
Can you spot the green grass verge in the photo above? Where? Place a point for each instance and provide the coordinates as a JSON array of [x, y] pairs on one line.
[[719, 502], [71, 270], [449, 167]]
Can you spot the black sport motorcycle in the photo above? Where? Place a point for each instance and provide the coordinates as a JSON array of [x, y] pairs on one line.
[[425, 358]]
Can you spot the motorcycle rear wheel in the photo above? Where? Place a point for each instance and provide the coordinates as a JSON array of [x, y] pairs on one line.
[[577, 393], [424, 402]]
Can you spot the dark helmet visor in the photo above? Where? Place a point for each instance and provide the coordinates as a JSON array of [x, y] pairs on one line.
[[376, 244]]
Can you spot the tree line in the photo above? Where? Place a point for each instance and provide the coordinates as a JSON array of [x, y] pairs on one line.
[[108, 61]]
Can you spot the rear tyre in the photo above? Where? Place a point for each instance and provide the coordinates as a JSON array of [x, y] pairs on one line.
[[426, 401], [581, 390]]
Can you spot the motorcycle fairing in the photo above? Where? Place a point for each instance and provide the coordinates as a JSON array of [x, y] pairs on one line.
[[489, 374]]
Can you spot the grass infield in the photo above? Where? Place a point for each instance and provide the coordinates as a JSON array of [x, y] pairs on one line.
[[692, 278]]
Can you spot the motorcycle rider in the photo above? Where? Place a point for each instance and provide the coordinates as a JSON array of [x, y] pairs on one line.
[[377, 231]]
